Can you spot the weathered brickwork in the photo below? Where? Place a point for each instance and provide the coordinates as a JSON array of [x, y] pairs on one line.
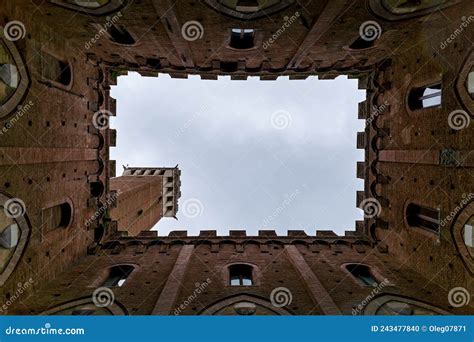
[[79, 220]]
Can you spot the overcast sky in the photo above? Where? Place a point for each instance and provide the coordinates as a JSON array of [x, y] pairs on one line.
[[253, 154]]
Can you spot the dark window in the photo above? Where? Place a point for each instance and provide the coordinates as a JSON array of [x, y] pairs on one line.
[[418, 216], [120, 35], [247, 6], [361, 43], [240, 275], [425, 97], [118, 275], [56, 70], [242, 39], [55, 217], [96, 188], [362, 274]]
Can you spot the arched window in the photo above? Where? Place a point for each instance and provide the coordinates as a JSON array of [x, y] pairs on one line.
[[249, 9], [410, 6], [425, 97], [118, 275], [55, 70], [89, 3], [468, 236], [119, 34], [363, 274], [94, 7], [470, 83], [423, 217], [240, 275], [361, 44], [9, 76], [58, 216], [403, 309], [242, 39]]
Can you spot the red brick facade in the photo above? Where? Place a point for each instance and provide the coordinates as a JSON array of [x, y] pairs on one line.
[[54, 159]]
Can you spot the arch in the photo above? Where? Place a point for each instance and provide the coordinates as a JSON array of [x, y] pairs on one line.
[[248, 13], [16, 227], [382, 9], [378, 303], [21, 82], [68, 308], [214, 308], [457, 231], [106, 8]]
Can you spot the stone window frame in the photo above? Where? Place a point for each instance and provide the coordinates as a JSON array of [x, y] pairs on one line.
[[257, 40], [112, 6], [424, 84], [457, 228], [461, 85], [426, 232], [54, 203], [116, 309], [59, 58], [24, 227], [214, 308], [379, 10], [375, 272], [104, 273], [376, 303], [256, 274], [9, 107], [216, 5]]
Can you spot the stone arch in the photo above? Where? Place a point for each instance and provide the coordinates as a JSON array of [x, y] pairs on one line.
[[86, 304], [378, 303], [260, 303]]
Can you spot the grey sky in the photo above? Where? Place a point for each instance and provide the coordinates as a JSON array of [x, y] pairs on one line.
[[253, 154]]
